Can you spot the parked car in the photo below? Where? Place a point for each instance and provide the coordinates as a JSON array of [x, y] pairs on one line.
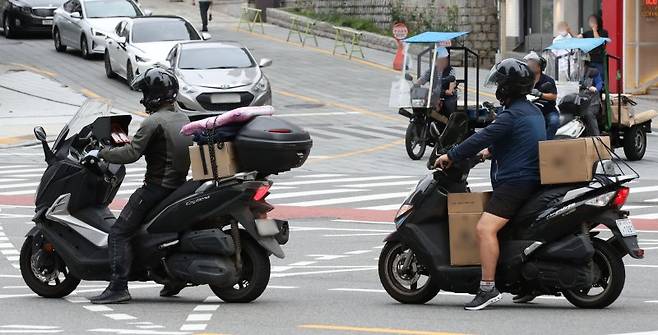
[[18, 16], [139, 43], [84, 24], [218, 76]]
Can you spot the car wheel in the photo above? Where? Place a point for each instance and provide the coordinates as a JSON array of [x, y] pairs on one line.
[[84, 47], [108, 66], [7, 27], [130, 75], [58, 41]]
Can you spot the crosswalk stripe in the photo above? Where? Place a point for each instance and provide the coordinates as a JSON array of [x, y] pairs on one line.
[[25, 192], [390, 183], [3, 167], [651, 200], [383, 207], [643, 189], [342, 180], [22, 171], [324, 175], [2, 187], [310, 193], [10, 180], [335, 201], [645, 216]]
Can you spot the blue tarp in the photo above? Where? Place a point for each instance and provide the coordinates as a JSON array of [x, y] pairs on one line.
[[584, 44], [434, 37]]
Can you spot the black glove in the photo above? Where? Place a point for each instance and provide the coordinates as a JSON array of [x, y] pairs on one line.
[[535, 92]]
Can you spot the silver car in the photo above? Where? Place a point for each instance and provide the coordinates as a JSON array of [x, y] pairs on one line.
[[218, 76], [84, 24]]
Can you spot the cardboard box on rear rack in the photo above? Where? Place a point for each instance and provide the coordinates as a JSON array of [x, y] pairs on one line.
[[225, 161], [571, 160], [464, 212]]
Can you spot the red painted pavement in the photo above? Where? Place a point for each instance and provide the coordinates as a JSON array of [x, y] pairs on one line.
[[293, 212]]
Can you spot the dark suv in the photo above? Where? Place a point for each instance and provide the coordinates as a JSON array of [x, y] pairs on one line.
[[27, 16]]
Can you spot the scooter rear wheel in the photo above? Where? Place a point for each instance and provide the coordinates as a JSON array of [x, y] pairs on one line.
[[608, 287], [255, 274], [44, 272], [404, 283]]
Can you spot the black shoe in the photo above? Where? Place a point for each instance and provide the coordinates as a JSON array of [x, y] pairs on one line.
[[204, 30], [111, 297], [524, 298], [172, 289], [483, 299]]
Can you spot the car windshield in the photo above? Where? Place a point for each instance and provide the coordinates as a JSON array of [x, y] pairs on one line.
[[86, 114], [163, 30], [215, 58], [111, 8]]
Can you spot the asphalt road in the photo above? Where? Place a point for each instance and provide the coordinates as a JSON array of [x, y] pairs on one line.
[[328, 283]]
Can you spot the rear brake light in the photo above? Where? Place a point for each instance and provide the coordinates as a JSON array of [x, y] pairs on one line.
[[261, 192], [620, 197], [280, 131]]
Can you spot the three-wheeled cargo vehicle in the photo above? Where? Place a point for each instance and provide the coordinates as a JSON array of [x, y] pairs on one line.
[[615, 116], [418, 102]]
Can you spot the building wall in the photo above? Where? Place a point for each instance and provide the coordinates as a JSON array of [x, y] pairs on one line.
[[478, 17], [640, 48]]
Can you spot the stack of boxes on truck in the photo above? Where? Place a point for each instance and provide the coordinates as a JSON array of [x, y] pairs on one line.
[[560, 162]]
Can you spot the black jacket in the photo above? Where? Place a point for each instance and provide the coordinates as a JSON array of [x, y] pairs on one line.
[[165, 149]]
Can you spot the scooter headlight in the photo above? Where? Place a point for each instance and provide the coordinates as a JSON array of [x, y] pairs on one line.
[[404, 209], [418, 103], [602, 200]]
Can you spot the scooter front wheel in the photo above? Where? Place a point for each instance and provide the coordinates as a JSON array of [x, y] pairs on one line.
[[404, 278], [44, 271], [254, 277], [414, 141]]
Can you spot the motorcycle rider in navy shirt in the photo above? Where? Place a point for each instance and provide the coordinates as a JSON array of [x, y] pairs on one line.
[[546, 92], [512, 141]]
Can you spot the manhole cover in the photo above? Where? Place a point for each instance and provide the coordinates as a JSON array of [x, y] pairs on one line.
[[305, 106]]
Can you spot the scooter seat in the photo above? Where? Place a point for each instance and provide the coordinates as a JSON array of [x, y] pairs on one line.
[[184, 190]]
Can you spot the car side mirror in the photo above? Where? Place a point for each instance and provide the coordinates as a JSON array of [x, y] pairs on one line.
[[265, 62], [76, 15], [206, 36], [40, 134], [148, 12], [121, 40]]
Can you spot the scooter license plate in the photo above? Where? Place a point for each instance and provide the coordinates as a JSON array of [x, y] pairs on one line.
[[626, 227]]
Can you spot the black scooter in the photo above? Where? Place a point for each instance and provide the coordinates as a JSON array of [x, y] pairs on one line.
[[549, 248], [204, 233]]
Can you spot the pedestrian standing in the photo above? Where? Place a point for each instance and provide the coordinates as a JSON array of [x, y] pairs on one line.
[[566, 64], [597, 55], [204, 8]]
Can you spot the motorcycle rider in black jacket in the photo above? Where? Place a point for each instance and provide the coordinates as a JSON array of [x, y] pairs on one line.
[[167, 164]]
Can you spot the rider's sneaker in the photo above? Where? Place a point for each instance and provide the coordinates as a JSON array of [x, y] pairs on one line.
[[111, 297], [483, 299], [524, 298]]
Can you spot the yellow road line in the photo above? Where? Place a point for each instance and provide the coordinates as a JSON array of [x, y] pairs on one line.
[[337, 105], [15, 139], [36, 69], [90, 94], [357, 60], [375, 330], [359, 151]]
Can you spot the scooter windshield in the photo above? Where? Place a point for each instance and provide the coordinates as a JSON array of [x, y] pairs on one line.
[[86, 114]]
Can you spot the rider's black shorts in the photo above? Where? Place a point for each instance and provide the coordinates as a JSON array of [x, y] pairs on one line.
[[509, 197]]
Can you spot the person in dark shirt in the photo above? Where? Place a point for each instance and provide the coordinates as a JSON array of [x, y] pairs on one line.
[[596, 55], [546, 92], [444, 85]]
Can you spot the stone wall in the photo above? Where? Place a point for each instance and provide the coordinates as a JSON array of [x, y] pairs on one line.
[[478, 17]]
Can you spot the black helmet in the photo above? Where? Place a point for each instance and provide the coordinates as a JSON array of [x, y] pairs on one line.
[[513, 79], [159, 87]]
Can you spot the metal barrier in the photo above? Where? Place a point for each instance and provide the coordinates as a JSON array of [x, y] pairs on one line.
[[345, 36], [246, 15], [303, 29]]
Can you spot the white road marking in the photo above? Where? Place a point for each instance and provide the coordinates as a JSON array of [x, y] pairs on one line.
[[30, 331], [198, 317], [29, 327], [19, 185], [392, 183], [303, 263], [358, 252], [311, 193], [194, 326], [10, 180], [323, 175], [629, 207], [361, 221], [316, 114], [640, 333], [11, 276], [77, 300], [280, 287], [643, 189], [335, 201], [206, 308], [4, 167], [9, 252], [298, 229], [645, 216], [278, 268], [281, 275], [135, 331], [355, 235], [7, 296], [326, 257], [7, 172], [97, 308], [120, 316], [341, 180], [383, 207]]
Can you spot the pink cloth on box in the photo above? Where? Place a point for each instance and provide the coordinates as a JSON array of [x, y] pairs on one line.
[[241, 114]]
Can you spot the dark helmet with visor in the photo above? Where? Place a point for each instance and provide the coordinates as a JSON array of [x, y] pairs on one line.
[[513, 79], [158, 86]]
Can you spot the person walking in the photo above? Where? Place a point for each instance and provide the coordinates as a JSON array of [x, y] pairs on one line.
[[204, 9]]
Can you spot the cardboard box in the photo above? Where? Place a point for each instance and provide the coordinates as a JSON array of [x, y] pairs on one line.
[[572, 160], [626, 114], [473, 202], [464, 212], [224, 156], [464, 249]]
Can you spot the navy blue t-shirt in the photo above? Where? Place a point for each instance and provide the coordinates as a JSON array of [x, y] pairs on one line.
[[546, 84]]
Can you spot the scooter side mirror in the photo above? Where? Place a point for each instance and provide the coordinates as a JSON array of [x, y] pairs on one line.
[[408, 77], [40, 134]]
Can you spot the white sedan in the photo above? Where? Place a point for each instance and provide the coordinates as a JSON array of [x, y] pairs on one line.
[[84, 24], [140, 43]]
